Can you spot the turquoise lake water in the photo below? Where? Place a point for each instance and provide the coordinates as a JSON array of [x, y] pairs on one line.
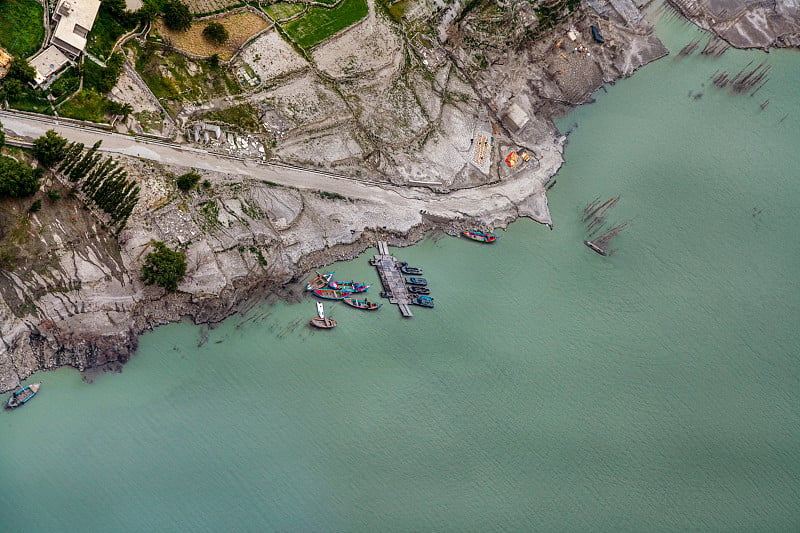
[[550, 390]]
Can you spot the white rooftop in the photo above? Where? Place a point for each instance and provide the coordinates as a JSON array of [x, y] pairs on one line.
[[46, 62], [77, 18]]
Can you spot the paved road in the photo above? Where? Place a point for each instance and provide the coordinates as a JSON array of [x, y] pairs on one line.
[[477, 202], [28, 127]]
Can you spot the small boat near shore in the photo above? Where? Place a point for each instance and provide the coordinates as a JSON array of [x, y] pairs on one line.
[[416, 281], [323, 323], [331, 294], [22, 396], [350, 286], [361, 304], [320, 281], [320, 310], [479, 236]]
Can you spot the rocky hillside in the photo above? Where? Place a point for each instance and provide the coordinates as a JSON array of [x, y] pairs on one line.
[[419, 106]]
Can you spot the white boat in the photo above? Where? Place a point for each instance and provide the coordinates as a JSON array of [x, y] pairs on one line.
[[320, 310]]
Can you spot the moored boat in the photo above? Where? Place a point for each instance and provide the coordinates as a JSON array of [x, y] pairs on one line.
[[411, 271], [480, 236], [320, 310], [417, 281], [331, 294], [324, 323], [320, 281], [423, 301], [349, 286], [416, 289], [23, 395], [361, 304]]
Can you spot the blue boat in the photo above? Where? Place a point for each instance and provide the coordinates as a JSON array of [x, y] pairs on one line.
[[417, 281], [597, 35], [423, 301], [22, 396]]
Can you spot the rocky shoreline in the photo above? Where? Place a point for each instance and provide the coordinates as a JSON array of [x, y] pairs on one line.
[[742, 24], [76, 300]]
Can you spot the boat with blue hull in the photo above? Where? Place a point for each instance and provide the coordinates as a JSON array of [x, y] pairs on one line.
[[422, 301], [22, 396]]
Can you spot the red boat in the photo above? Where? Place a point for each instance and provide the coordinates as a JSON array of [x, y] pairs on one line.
[[479, 236]]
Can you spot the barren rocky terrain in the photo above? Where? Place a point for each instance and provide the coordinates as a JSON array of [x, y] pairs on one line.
[[416, 116], [745, 24]]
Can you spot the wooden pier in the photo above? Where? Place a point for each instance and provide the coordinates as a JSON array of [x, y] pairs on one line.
[[392, 279]]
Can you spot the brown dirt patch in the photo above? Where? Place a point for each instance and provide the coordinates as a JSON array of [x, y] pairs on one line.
[[240, 26]]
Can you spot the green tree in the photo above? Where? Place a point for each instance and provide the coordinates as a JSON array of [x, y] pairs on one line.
[[16, 179], [12, 88], [177, 16], [215, 33], [164, 267], [35, 206], [148, 12], [21, 70], [188, 180], [213, 61], [49, 148], [114, 7], [2, 135]]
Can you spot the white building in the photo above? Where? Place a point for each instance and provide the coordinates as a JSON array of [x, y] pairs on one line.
[[74, 20], [47, 64]]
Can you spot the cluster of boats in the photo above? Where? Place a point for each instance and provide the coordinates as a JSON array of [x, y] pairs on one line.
[[324, 286], [417, 286]]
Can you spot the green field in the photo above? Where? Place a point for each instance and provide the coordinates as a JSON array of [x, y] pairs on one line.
[[86, 105], [319, 23], [244, 116], [201, 82], [105, 32], [21, 29], [283, 10]]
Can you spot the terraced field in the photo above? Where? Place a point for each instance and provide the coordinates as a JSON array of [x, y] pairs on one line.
[[240, 27], [319, 22], [199, 7], [284, 10]]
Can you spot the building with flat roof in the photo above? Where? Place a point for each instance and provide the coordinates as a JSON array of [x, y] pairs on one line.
[[47, 64], [74, 20]]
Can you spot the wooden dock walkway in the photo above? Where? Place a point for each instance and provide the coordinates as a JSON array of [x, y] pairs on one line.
[[392, 279]]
